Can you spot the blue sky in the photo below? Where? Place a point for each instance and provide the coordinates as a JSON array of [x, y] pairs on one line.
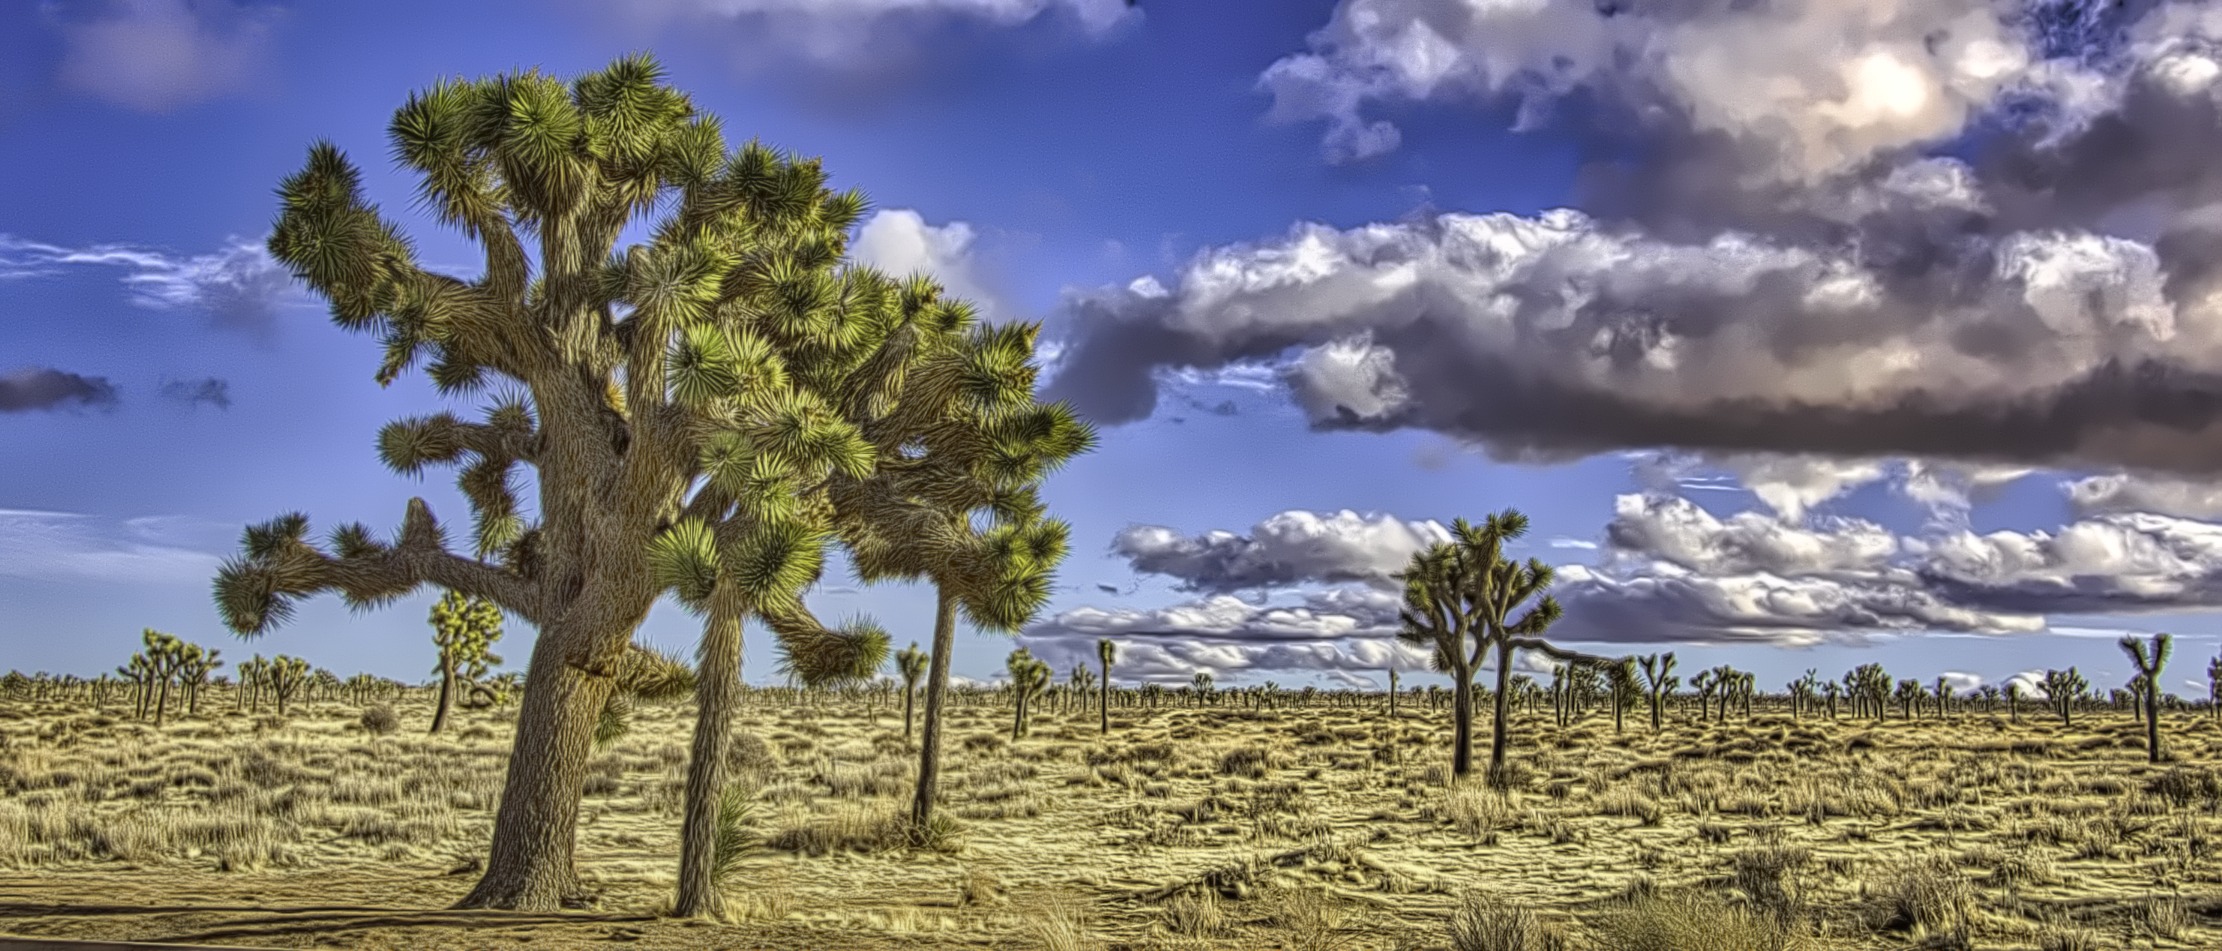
[[1806, 339]]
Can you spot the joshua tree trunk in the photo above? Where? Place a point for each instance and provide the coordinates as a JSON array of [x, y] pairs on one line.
[[1497, 725], [2152, 721], [447, 691], [1462, 724], [929, 742], [716, 685], [529, 867], [910, 692], [1103, 704]]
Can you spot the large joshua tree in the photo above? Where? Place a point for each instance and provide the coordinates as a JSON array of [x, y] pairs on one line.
[[2149, 665], [464, 630], [1460, 599], [624, 375]]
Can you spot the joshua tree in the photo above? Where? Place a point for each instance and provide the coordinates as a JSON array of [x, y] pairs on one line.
[[194, 664], [1705, 684], [1943, 694], [1831, 690], [1028, 678], [2013, 701], [1459, 599], [1989, 693], [1079, 682], [2149, 665], [464, 629], [1201, 685], [2214, 688], [1107, 652], [1623, 687], [635, 377], [1392, 693], [286, 677], [2063, 688], [910, 662], [1909, 692], [959, 506], [1658, 680]]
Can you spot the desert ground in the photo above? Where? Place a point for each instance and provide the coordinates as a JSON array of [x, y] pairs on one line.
[[1327, 826]]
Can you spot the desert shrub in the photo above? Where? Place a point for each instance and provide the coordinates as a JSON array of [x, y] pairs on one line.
[[750, 759], [1691, 922], [380, 719], [1484, 922], [1927, 897]]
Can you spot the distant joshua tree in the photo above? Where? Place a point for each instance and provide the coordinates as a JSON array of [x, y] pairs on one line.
[[1989, 693], [2063, 688], [2149, 665], [1107, 653], [1392, 693], [2013, 701], [1658, 680], [2214, 688], [1908, 695], [1943, 696], [286, 676], [1623, 687], [910, 662], [464, 629], [1201, 685], [1831, 691], [1028, 678]]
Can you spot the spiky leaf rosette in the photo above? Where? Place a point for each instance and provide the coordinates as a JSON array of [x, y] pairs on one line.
[[653, 675], [831, 657]]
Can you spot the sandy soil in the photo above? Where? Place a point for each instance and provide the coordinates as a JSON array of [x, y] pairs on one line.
[[1328, 826]]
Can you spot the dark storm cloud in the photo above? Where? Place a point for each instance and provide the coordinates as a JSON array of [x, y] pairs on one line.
[[1778, 258], [45, 388]]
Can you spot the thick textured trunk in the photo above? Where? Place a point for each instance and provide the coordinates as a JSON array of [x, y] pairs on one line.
[[1103, 704], [1654, 712], [1498, 724], [716, 685], [529, 867], [162, 704], [937, 679], [447, 692], [2152, 724], [910, 693]]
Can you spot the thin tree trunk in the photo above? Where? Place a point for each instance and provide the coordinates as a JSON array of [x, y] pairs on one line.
[[447, 691], [1462, 725], [1103, 704], [910, 692], [937, 678], [529, 867], [1497, 726], [715, 684]]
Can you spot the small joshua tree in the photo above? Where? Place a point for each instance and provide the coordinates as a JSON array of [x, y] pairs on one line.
[[1028, 678], [1658, 681], [2214, 688], [1107, 653], [2149, 665], [1943, 696], [2013, 701], [1081, 681], [910, 662], [1909, 695], [2063, 688], [464, 629], [287, 675], [1624, 688], [1201, 684], [1831, 691]]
